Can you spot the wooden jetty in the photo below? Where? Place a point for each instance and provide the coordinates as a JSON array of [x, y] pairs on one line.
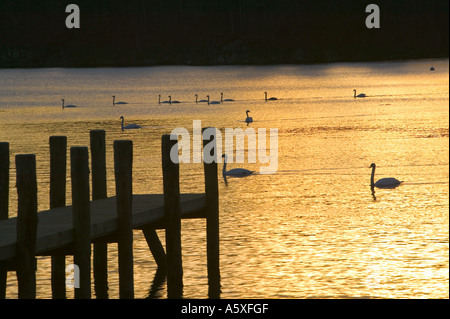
[[71, 230]]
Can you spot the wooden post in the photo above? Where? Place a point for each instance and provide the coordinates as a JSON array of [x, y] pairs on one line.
[[4, 180], [58, 168], [212, 219], [156, 247], [99, 191], [27, 220], [4, 203], [81, 218], [123, 169], [172, 212]]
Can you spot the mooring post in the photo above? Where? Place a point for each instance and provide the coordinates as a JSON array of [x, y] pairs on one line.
[[81, 219], [4, 203], [156, 247], [58, 168], [212, 213], [99, 191], [27, 220], [4, 180], [123, 170], [172, 213]]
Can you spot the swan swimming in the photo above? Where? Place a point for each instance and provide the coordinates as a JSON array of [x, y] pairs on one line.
[[159, 100], [248, 119], [212, 102], [388, 182], [114, 101], [359, 95], [225, 100], [170, 100], [196, 99], [269, 99], [64, 106], [129, 126], [235, 172]]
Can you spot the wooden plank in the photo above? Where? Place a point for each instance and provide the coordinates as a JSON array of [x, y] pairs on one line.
[[55, 226]]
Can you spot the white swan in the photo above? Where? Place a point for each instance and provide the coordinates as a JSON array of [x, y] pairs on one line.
[[129, 126], [196, 99], [170, 100], [114, 101], [235, 172], [225, 100], [64, 106], [212, 102], [388, 182], [269, 99], [359, 95], [248, 119], [159, 100]]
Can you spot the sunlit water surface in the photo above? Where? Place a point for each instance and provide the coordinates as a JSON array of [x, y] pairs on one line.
[[313, 229]]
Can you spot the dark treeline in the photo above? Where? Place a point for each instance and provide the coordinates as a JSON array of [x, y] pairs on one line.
[[201, 32]]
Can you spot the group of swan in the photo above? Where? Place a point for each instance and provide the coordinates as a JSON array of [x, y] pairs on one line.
[[197, 100], [388, 182], [176, 102], [167, 101], [212, 102], [114, 103]]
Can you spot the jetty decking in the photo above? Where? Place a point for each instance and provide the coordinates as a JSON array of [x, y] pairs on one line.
[[55, 227], [71, 230]]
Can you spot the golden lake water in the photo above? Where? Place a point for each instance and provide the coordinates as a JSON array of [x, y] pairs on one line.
[[313, 228]]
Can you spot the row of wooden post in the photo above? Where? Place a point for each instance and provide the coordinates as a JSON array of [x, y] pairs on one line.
[[27, 217]]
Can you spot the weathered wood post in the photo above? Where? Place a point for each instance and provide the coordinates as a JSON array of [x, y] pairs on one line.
[[156, 248], [172, 213], [27, 221], [212, 211], [81, 219], [99, 191], [123, 170], [4, 203], [58, 168], [4, 180]]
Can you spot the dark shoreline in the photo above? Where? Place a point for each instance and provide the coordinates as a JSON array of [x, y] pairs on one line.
[[137, 65], [117, 33]]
